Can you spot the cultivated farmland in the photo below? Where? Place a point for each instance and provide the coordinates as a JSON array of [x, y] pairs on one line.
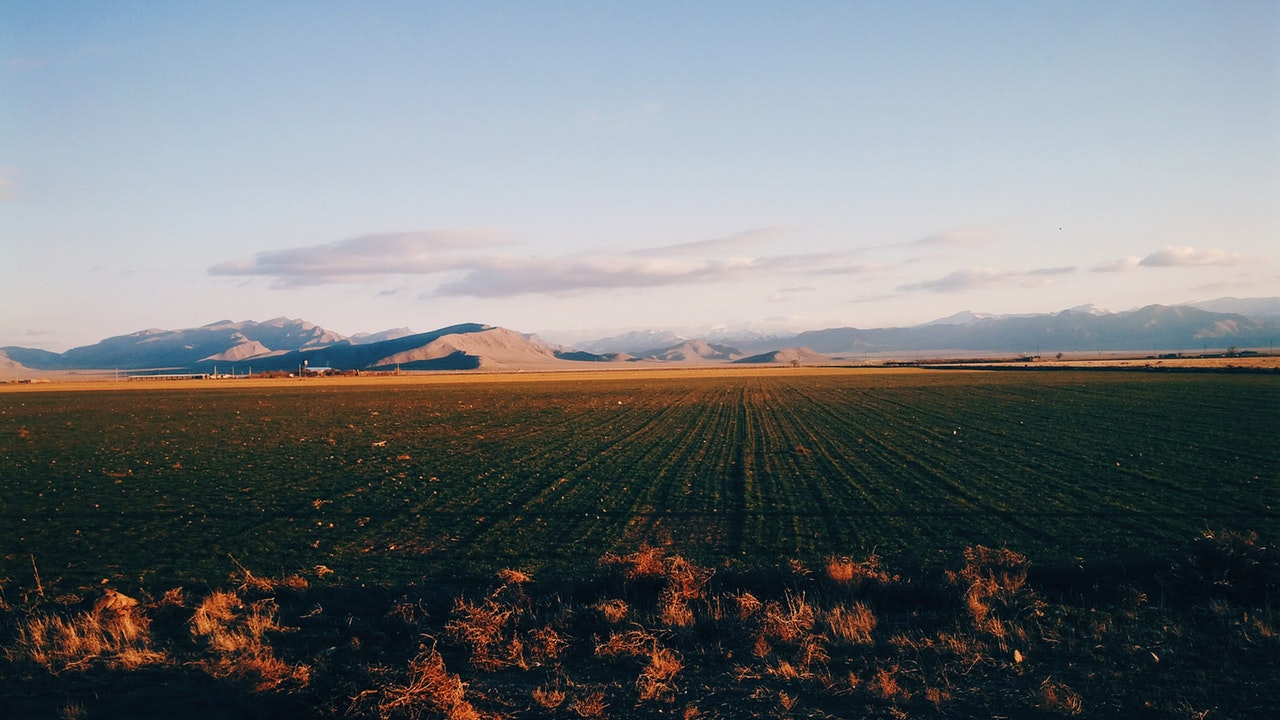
[[388, 481], [761, 544]]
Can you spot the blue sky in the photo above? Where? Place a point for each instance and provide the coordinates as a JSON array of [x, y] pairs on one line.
[[577, 168]]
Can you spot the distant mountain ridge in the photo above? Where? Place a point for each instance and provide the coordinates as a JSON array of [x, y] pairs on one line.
[[285, 344], [1249, 307], [1152, 328]]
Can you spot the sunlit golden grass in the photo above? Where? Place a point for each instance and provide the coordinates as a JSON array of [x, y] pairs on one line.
[[981, 640], [852, 624], [237, 634], [112, 638], [429, 690]]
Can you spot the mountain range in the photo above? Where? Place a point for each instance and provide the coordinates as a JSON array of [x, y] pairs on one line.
[[284, 344]]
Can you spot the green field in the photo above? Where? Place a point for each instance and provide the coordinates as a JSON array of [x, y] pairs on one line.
[[387, 481]]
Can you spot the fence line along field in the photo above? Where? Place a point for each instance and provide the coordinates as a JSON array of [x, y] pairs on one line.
[[387, 481]]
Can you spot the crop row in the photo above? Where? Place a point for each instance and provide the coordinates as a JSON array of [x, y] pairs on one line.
[[385, 482]]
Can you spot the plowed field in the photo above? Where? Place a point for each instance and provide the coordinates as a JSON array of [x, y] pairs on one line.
[[383, 480]]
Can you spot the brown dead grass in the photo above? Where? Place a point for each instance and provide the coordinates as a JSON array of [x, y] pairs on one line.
[[114, 634], [853, 624], [982, 640], [993, 582], [1057, 697], [591, 705], [430, 689], [238, 636]]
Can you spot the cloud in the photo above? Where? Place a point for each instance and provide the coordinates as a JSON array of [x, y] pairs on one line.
[[1125, 264], [474, 270], [508, 276], [956, 237], [1176, 256], [974, 278], [790, 293], [363, 257], [736, 241], [1184, 256], [833, 265]]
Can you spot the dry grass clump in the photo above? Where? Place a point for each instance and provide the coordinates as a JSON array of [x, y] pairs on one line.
[[670, 582], [846, 571], [114, 634], [647, 562], [884, 684], [993, 585], [788, 621], [614, 610], [489, 628], [633, 643], [237, 634], [546, 643], [550, 697], [656, 680], [486, 629], [658, 636], [745, 604], [1058, 697], [591, 705], [852, 624], [253, 583], [430, 689], [677, 579]]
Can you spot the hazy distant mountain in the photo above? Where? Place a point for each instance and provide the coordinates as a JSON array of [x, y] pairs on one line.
[[786, 356], [1152, 328], [11, 369], [694, 351], [748, 341], [632, 343], [1249, 307], [648, 343], [457, 347], [222, 341], [489, 347], [393, 334], [285, 344]]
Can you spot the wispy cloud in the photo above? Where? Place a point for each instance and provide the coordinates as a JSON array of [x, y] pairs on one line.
[[738, 241], [955, 237], [1125, 264], [508, 276], [974, 278], [1177, 256], [790, 293], [1184, 256], [364, 257], [475, 270]]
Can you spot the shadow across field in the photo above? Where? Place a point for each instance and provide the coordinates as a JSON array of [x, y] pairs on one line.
[[650, 634]]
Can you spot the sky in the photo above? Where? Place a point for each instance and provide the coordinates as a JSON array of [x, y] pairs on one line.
[[579, 169]]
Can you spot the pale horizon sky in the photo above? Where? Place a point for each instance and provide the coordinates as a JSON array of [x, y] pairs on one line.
[[573, 168]]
